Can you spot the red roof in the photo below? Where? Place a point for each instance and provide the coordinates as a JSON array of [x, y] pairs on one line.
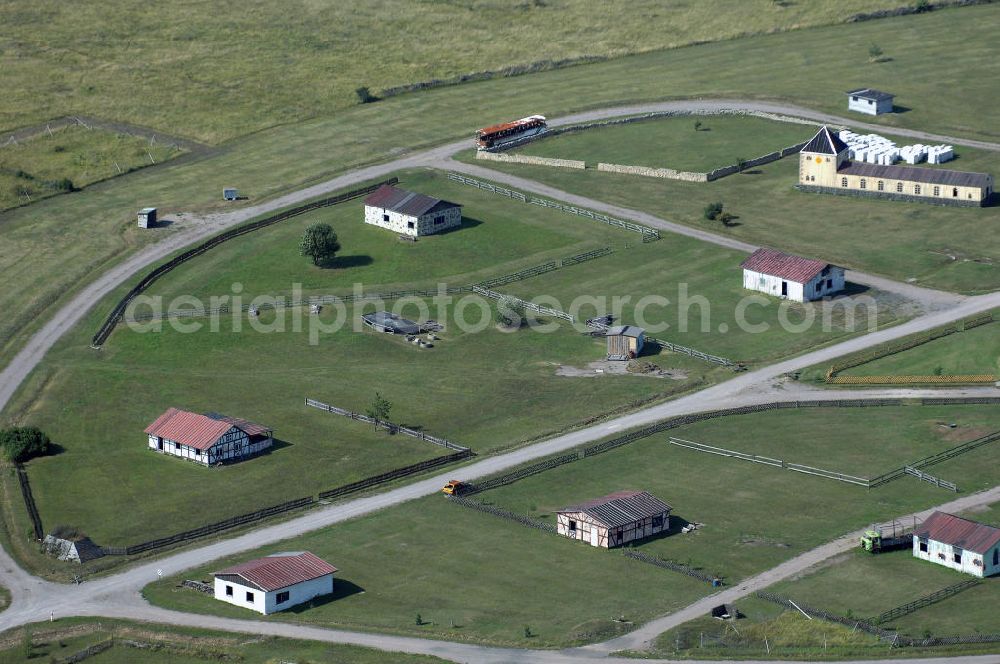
[[530, 120], [405, 202], [198, 431], [281, 571], [786, 266], [954, 530]]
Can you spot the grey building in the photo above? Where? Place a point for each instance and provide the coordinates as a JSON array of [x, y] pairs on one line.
[[869, 101]]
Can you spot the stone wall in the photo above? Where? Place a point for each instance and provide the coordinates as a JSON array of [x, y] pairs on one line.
[[527, 159], [668, 173], [889, 196]]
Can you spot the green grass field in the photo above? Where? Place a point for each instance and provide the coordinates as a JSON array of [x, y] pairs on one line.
[[66, 637], [37, 168], [85, 232], [935, 246], [673, 142], [706, 306], [489, 577], [265, 66]]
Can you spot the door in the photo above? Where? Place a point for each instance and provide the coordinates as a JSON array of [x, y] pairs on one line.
[[159, 443], [593, 536], [784, 289]]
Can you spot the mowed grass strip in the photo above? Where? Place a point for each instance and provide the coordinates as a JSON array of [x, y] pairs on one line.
[[935, 246], [72, 238], [719, 140], [498, 236], [489, 577]]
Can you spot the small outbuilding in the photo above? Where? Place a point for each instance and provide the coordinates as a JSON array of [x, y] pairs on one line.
[[207, 439], [870, 101], [409, 213], [231, 194], [625, 342], [963, 545], [615, 519], [275, 583], [390, 323], [147, 217], [791, 277]]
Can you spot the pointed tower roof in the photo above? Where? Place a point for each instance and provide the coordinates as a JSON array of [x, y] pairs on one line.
[[825, 142]]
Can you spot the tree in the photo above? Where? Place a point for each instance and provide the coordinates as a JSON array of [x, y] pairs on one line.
[[365, 95], [697, 125], [23, 443], [713, 210], [741, 164], [319, 242], [875, 53], [379, 409], [510, 311]]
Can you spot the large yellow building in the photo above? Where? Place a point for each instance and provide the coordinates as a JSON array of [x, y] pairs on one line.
[[824, 166]]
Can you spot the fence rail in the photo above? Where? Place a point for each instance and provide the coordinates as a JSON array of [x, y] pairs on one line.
[[119, 310], [522, 519], [518, 276], [393, 428], [927, 477], [29, 501], [376, 480], [926, 600], [585, 256], [669, 564], [648, 234], [545, 311], [944, 455]]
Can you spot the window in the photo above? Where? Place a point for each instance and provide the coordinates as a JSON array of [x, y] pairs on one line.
[[572, 525], [854, 98], [250, 597], [829, 283], [954, 192], [996, 556], [957, 555], [229, 591], [843, 182], [916, 189], [899, 187], [863, 183], [385, 217], [439, 220], [881, 185], [657, 521], [281, 597], [937, 191], [409, 224], [923, 546]]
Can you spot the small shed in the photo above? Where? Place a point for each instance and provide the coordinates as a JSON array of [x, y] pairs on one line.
[[147, 217], [77, 549], [390, 323], [615, 519], [961, 544], [275, 583], [231, 194], [870, 101], [625, 342], [791, 277]]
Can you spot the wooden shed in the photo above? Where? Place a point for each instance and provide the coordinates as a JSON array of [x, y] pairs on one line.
[[615, 519], [624, 342]]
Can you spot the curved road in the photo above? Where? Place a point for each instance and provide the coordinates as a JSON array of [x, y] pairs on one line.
[[118, 595]]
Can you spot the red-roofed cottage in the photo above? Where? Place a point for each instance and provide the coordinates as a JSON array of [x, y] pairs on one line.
[[963, 545], [207, 439], [791, 277], [275, 583], [410, 213]]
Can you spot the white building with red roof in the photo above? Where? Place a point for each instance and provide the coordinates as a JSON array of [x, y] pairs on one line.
[[207, 439], [409, 213], [791, 277], [275, 583], [963, 545]]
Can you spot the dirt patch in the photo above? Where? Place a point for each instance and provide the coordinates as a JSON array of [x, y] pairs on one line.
[[614, 368], [958, 434]]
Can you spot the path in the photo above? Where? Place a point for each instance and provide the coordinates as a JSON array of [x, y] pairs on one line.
[[117, 595]]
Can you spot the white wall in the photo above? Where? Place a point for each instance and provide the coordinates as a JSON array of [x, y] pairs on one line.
[[869, 106], [766, 283], [943, 554], [266, 602], [400, 223]]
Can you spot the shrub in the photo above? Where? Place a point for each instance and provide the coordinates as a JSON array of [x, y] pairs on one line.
[[23, 443], [365, 95], [713, 210], [727, 219], [875, 53], [510, 311]]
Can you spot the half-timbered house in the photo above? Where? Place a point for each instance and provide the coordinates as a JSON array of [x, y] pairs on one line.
[[207, 439], [615, 519]]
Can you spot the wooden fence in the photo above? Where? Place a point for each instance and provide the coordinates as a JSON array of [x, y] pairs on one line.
[[585, 256], [392, 428], [119, 310], [517, 276], [648, 234], [29, 501], [927, 477], [600, 323], [376, 480], [926, 600], [531, 306], [672, 566], [944, 455]]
